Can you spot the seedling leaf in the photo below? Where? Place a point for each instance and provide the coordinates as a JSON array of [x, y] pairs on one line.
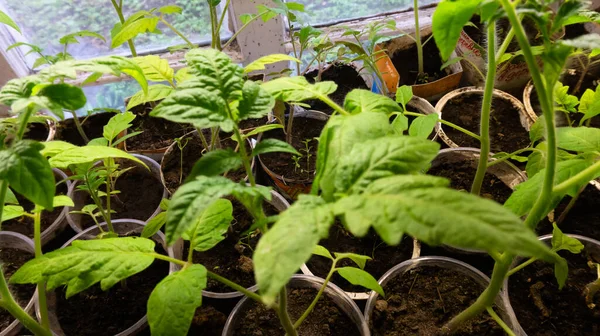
[[358, 277], [216, 163]]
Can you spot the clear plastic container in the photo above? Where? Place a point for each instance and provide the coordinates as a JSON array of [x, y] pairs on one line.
[[332, 291]]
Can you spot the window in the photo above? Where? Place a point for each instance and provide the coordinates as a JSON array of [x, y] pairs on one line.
[[331, 11], [44, 22]]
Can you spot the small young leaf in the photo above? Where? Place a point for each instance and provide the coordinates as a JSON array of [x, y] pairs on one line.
[[360, 260], [164, 204], [87, 262], [321, 251], [4, 18], [358, 277], [11, 212], [117, 124], [260, 63], [422, 126], [72, 38], [132, 29], [174, 301], [28, 172], [579, 139], [263, 128], [170, 9], [155, 68], [212, 226], [10, 197], [216, 163], [87, 154], [403, 95], [400, 124], [273, 146], [154, 225], [561, 242], [297, 89], [449, 19], [538, 130], [358, 101], [155, 93]]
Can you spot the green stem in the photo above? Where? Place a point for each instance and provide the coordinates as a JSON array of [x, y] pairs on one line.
[[119, 10], [316, 299], [511, 155], [109, 183], [332, 104], [79, 127], [189, 43], [214, 138], [486, 107], [505, 43], [521, 266], [8, 303], [244, 155], [41, 286], [447, 123], [3, 191], [570, 206], [254, 18], [418, 37], [203, 139], [291, 30], [284, 317], [24, 122], [500, 322], [169, 259], [290, 125], [222, 19], [235, 286], [580, 179]]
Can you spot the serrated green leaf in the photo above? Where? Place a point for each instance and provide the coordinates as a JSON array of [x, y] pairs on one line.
[[28, 172], [72, 38], [380, 158], [182, 75], [273, 146], [358, 101], [117, 124], [154, 225], [321, 251], [360, 260], [18, 88], [562, 242], [211, 227], [277, 257], [11, 212], [4, 18], [297, 89], [155, 93], [578, 139], [216, 70], [589, 104], [358, 277], [87, 262], [192, 198], [88, 154], [256, 102], [132, 29], [64, 95], [260, 63], [422, 126], [449, 19], [403, 95], [173, 302], [155, 68], [215, 163]]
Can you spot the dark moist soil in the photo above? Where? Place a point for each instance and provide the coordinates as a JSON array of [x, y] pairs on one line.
[[506, 132], [140, 195], [232, 257], [325, 320], [481, 261], [424, 299], [37, 131], [283, 164], [583, 219], [347, 79], [384, 256], [24, 225], [250, 124], [12, 259], [407, 64], [93, 128], [545, 310], [94, 312], [157, 133], [575, 30], [478, 33], [192, 152], [461, 176]]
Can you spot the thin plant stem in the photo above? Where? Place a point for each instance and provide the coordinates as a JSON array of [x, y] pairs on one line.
[[41, 286], [8, 303], [486, 107], [521, 266], [203, 139], [79, 127], [418, 37], [570, 206], [170, 26], [181, 164], [214, 138], [332, 104], [581, 178], [500, 322], [119, 10], [283, 315], [223, 14], [582, 77], [290, 125], [447, 123], [511, 155], [504, 46], [109, 183], [97, 201], [235, 286], [169, 259], [244, 154], [3, 191], [23, 125], [254, 18], [316, 299]]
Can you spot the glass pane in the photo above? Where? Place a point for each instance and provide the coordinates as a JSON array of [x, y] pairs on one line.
[[329, 11], [111, 95], [44, 22]]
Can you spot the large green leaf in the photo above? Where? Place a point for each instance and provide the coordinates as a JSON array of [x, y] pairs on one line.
[[256, 102], [4, 18], [290, 243], [260, 63], [88, 154], [382, 157], [174, 301], [192, 198], [132, 29], [67, 96], [215, 163], [18, 88], [117, 124], [217, 72], [28, 172], [358, 101], [579, 139], [87, 262], [449, 19], [297, 89], [437, 216], [155, 68], [210, 229], [53, 148], [339, 137]]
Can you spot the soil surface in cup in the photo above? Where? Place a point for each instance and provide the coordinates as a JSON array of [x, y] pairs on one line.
[[232, 257], [12, 259], [157, 133], [543, 309], [24, 225], [482, 261], [581, 219], [95, 312], [37, 131], [347, 79], [340, 240], [506, 132], [325, 320], [192, 152], [93, 128], [424, 299], [139, 197], [305, 134], [478, 33], [249, 125], [407, 64]]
